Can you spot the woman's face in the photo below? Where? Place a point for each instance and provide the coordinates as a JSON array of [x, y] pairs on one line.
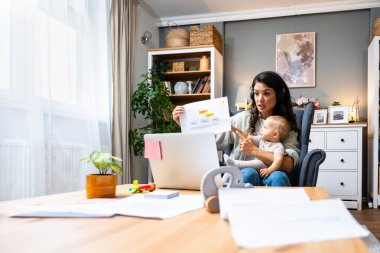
[[265, 99]]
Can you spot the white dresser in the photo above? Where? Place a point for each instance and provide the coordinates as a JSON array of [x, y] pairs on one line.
[[341, 173]]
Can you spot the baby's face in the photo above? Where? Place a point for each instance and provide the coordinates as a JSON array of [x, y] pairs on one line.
[[268, 132]]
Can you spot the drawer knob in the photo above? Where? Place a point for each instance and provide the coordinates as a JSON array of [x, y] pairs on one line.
[[341, 183], [342, 160], [309, 140], [342, 140]]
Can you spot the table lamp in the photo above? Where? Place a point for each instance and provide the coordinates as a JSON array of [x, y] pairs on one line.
[[242, 97]]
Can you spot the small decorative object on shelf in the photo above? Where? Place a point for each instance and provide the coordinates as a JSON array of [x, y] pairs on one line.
[[181, 88], [190, 86], [178, 66], [204, 63], [355, 110]]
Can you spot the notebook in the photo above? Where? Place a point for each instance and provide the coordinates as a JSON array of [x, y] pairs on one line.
[[184, 159]]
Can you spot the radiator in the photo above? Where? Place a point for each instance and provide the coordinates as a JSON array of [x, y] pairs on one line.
[[16, 178], [27, 172]]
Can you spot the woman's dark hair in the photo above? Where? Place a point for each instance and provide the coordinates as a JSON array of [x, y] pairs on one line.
[[283, 105]]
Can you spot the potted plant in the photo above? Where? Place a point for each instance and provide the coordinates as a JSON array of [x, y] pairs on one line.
[[102, 185], [152, 102]]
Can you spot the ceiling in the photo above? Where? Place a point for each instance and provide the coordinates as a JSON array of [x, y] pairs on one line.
[[207, 11]]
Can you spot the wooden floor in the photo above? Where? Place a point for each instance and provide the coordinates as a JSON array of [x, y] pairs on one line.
[[369, 218]]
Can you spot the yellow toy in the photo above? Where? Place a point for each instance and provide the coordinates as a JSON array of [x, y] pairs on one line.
[[136, 187]]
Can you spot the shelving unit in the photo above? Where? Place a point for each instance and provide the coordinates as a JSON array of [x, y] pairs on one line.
[[191, 57], [373, 122]]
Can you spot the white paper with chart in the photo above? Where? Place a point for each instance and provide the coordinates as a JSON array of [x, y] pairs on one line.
[[206, 116]]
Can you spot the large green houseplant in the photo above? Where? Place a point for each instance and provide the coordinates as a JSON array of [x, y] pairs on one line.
[[102, 185], [152, 102]]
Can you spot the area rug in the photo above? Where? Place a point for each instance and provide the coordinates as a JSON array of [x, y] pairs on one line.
[[372, 243]]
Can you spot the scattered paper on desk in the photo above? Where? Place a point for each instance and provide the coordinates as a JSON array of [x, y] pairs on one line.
[[256, 226], [228, 197], [152, 149], [137, 206], [206, 116]]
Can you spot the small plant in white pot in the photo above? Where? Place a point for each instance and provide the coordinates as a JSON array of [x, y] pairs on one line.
[[102, 185]]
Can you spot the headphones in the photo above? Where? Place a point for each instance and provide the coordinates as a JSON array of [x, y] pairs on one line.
[[279, 95]]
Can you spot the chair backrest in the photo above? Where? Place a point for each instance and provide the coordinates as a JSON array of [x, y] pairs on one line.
[[304, 119]]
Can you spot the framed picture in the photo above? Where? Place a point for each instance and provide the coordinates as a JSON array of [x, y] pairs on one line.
[[338, 114], [295, 59], [320, 116]]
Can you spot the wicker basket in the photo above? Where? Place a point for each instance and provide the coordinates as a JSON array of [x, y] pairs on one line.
[[177, 37], [209, 35], [376, 27]]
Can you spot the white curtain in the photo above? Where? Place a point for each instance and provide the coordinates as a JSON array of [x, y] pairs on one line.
[[55, 92]]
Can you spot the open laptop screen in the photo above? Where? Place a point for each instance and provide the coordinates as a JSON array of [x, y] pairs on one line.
[[185, 158]]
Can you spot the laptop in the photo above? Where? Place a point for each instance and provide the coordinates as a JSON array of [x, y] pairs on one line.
[[185, 158]]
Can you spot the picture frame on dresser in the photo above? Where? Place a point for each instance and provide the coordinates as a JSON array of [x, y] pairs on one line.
[[338, 114], [320, 116]]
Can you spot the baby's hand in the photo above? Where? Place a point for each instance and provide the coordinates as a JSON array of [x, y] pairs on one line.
[[241, 134], [265, 172]]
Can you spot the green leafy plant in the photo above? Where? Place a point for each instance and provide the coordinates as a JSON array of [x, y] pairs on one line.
[[152, 102], [335, 103], [104, 162]]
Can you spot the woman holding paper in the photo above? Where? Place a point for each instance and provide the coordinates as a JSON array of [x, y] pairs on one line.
[[270, 96]]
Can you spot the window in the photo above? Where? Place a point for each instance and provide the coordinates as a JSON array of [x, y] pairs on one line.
[[56, 67], [5, 44]]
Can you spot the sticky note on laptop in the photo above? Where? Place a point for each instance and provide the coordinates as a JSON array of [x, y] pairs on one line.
[[161, 194], [152, 150]]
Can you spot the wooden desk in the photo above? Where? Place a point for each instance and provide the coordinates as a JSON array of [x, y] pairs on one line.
[[196, 231]]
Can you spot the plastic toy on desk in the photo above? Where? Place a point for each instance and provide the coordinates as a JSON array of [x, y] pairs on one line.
[[136, 187]]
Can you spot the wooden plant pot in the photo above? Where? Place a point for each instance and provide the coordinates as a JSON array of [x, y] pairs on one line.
[[100, 186]]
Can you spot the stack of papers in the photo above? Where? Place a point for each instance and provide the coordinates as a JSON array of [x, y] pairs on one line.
[[259, 219], [131, 206]]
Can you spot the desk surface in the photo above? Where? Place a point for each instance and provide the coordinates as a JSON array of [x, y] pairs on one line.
[[196, 231]]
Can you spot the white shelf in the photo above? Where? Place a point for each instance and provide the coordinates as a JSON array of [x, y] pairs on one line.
[[373, 122], [187, 55]]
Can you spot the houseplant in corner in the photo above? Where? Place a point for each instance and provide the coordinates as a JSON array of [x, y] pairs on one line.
[[152, 102], [102, 185]]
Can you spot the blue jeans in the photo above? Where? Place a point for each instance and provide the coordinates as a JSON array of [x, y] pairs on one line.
[[276, 178]]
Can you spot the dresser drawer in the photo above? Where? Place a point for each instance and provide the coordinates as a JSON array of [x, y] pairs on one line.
[[317, 140], [339, 183], [340, 161], [342, 140]]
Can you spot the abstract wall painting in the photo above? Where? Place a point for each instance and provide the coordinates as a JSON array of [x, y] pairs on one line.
[[295, 59]]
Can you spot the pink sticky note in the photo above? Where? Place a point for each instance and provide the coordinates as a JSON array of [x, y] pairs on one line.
[[153, 150]]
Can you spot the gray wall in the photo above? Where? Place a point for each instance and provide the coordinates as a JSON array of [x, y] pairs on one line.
[[341, 54], [145, 22]]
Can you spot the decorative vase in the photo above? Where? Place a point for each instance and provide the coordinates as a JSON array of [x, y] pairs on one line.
[[204, 63], [101, 186]]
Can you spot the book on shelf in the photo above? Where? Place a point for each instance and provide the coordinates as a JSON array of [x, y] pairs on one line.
[[196, 86], [202, 84], [207, 87]]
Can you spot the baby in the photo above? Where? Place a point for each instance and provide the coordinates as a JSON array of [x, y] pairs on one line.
[[274, 131]]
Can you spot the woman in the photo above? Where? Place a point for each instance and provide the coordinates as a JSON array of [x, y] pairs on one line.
[[270, 96]]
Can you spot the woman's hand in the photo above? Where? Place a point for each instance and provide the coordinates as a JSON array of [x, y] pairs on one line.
[[178, 111]]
